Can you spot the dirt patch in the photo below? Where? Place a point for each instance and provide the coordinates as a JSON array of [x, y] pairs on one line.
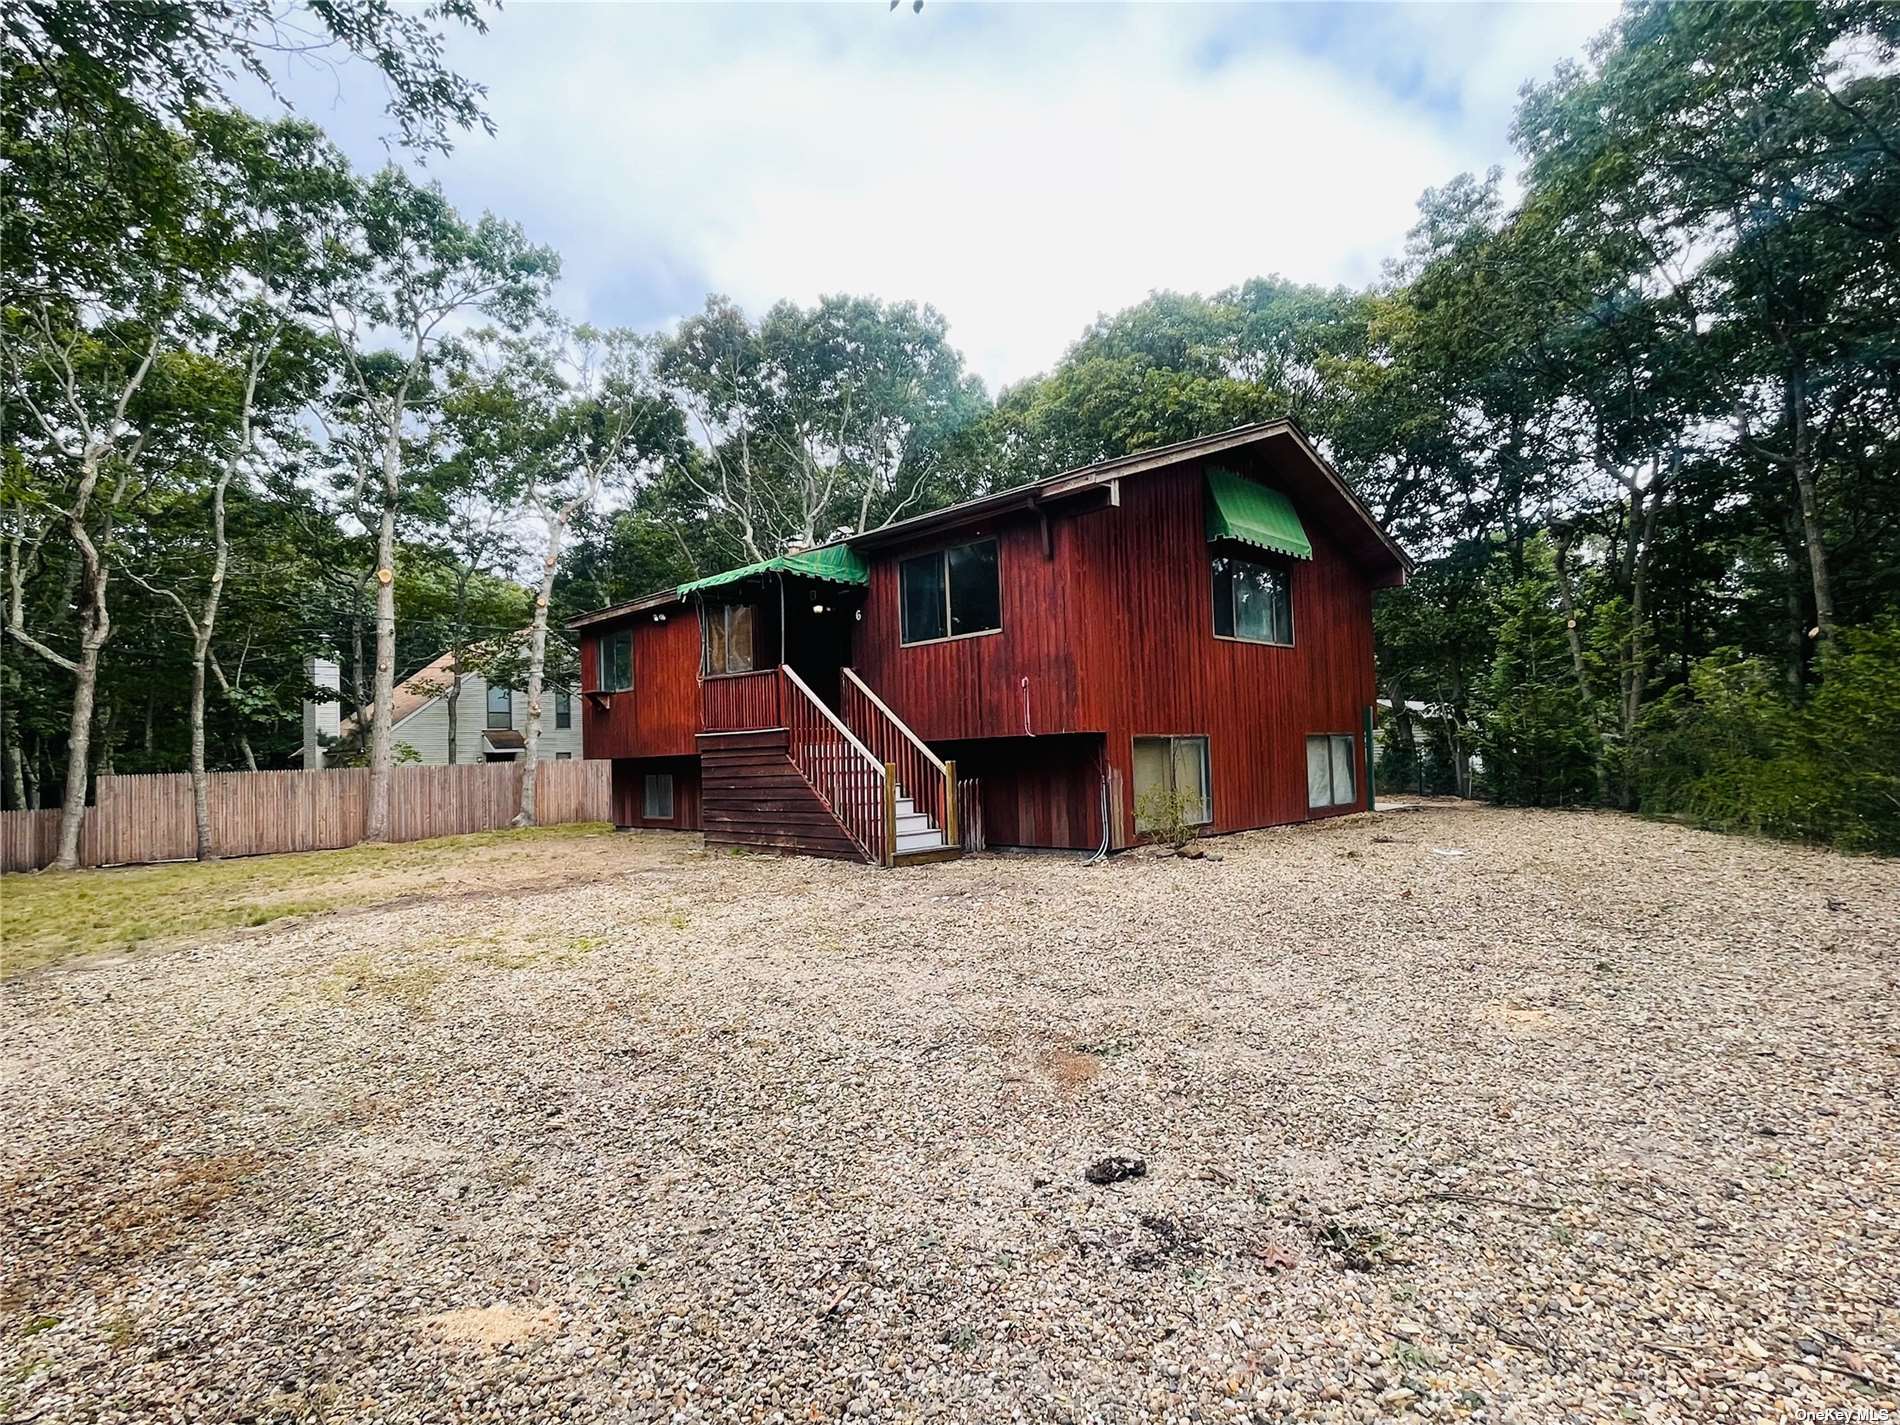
[[1523, 1020], [498, 1325], [1071, 1069]]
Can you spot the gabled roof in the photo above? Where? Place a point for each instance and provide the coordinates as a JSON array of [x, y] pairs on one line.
[[413, 693], [1282, 447]]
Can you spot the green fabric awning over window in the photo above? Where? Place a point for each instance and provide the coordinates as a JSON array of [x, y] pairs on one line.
[[834, 562], [1237, 508]]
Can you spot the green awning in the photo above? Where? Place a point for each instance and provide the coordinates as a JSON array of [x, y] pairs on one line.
[[1237, 508], [834, 562]]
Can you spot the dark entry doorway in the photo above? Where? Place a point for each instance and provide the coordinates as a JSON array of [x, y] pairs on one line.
[[819, 618]]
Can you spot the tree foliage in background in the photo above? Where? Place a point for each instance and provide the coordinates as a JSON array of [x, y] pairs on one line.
[[1639, 423]]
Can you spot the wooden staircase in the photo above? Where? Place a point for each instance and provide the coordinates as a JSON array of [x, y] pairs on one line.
[[814, 786]]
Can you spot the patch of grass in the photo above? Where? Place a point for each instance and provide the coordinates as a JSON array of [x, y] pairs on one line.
[[407, 985], [49, 916]]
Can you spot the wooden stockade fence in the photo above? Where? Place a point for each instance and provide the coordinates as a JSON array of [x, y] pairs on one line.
[[141, 819]]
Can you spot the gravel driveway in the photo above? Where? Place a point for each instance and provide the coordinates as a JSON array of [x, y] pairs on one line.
[[1596, 1119]]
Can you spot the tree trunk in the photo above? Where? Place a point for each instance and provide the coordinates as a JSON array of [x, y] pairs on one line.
[[537, 662], [382, 745], [1636, 662], [452, 705], [1801, 462], [200, 651], [15, 770], [1796, 605], [1567, 603], [30, 772], [72, 811], [1817, 550]]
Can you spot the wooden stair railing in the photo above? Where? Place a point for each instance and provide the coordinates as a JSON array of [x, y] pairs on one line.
[[854, 785], [928, 780]]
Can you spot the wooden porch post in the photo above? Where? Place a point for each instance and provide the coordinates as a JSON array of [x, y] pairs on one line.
[[950, 801], [890, 813]]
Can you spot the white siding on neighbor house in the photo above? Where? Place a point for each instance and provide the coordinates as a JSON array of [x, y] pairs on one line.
[[427, 728]]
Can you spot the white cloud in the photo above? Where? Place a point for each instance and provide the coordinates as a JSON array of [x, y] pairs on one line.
[[1022, 169]]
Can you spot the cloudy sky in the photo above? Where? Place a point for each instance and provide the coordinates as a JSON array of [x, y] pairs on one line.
[[1022, 168]]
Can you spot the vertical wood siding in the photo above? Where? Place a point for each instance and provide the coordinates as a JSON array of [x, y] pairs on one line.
[[629, 792], [1113, 633], [660, 715], [143, 819], [742, 702]]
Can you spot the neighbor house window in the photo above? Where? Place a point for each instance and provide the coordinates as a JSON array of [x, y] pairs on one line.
[[1176, 765], [1329, 763], [615, 658], [501, 707], [564, 757], [658, 805], [1252, 602], [729, 638], [950, 593], [563, 708]]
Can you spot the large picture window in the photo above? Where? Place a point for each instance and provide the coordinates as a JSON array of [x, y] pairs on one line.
[[950, 593], [1176, 765], [1252, 602], [729, 640], [1329, 764], [501, 707], [615, 661]]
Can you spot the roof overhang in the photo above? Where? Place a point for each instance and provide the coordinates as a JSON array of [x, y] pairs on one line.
[[1278, 451]]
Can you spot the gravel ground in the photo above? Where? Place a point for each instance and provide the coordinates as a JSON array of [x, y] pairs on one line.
[[1595, 1120]]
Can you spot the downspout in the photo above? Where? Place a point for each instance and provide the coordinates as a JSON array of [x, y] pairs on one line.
[[1101, 852]]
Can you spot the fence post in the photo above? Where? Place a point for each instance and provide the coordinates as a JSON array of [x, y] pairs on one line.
[[890, 813]]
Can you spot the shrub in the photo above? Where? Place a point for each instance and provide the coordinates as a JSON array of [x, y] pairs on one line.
[[1165, 816], [1734, 753]]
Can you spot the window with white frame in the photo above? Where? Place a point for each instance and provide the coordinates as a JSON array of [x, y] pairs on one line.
[[1177, 765], [563, 708], [1329, 765], [501, 707], [1253, 602]]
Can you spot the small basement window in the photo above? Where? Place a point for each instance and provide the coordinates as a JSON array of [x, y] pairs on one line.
[[950, 593], [1253, 602], [1329, 764], [1176, 765], [658, 803], [615, 661], [729, 638]]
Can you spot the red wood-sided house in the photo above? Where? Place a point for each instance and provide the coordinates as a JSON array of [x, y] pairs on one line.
[[1196, 618]]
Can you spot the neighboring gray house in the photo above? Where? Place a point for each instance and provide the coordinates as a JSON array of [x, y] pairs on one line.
[[490, 723]]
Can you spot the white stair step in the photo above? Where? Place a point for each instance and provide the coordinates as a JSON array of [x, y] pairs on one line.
[[931, 840], [908, 822]]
